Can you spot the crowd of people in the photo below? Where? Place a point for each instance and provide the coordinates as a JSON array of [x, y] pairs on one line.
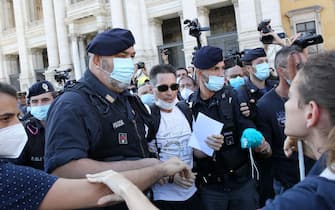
[[118, 138]]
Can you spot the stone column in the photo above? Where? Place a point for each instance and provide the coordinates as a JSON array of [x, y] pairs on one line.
[[3, 18], [62, 35], [248, 34], [238, 18], [27, 76], [75, 56], [203, 17], [4, 76], [189, 11], [51, 38], [155, 29], [135, 25], [150, 52], [82, 54], [6, 14], [117, 13]]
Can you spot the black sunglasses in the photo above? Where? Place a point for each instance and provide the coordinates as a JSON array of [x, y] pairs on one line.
[[163, 88]]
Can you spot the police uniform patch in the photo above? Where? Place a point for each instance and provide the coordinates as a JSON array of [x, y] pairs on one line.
[[118, 123], [110, 98], [123, 138]]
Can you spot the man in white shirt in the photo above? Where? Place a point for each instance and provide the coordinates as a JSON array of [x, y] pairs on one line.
[[170, 139]]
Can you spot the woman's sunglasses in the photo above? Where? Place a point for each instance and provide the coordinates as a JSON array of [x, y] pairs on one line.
[[163, 88]]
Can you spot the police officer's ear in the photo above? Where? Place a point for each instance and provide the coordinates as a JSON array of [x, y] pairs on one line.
[[96, 60], [249, 69], [198, 74]]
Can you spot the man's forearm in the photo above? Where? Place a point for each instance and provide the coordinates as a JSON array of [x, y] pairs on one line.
[[137, 200], [145, 177], [79, 168]]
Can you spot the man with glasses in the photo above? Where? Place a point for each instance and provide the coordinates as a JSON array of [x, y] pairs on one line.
[[224, 179], [169, 137], [278, 173], [96, 124]]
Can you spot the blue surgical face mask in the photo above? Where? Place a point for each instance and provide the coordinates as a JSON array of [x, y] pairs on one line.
[[262, 71], [215, 83], [148, 99], [40, 112], [236, 82], [123, 70]]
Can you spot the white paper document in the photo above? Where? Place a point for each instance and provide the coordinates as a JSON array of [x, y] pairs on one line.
[[202, 128]]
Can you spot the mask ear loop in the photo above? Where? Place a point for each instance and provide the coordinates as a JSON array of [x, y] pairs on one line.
[[253, 166]]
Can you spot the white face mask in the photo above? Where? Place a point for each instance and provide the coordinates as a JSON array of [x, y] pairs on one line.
[[165, 105], [12, 141]]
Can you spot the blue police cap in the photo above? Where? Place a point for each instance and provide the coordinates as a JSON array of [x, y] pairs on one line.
[[250, 55], [207, 57], [111, 42], [39, 88]]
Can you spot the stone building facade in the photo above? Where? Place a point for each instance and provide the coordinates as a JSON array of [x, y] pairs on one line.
[[38, 37]]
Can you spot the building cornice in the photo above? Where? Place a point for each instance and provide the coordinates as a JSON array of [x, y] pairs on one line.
[[315, 8]]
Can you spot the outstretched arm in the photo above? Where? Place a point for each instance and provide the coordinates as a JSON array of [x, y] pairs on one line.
[[79, 193]]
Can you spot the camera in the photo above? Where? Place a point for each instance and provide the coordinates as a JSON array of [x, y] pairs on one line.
[[265, 27], [232, 59], [194, 27], [140, 65], [308, 38], [62, 76]]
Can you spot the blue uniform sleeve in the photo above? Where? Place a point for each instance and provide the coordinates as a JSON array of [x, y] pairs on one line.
[[23, 187], [69, 129], [312, 193]]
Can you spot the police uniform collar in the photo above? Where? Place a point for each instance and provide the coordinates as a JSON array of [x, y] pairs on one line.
[[250, 86], [92, 81], [216, 97], [195, 97]]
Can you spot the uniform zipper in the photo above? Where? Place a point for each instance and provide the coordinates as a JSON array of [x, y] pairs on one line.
[[139, 139]]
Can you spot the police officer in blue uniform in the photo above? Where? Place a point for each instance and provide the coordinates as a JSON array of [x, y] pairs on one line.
[[257, 84], [225, 179], [96, 124], [40, 96]]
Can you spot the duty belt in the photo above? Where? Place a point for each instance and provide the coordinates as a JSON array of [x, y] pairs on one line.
[[239, 175]]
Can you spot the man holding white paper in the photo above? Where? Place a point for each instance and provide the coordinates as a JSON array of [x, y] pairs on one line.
[[168, 137], [224, 178]]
